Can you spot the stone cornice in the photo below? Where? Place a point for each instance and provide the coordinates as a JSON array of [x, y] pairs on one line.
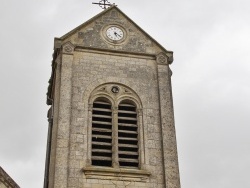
[[115, 52]]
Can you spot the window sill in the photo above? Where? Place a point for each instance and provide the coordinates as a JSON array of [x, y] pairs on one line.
[[116, 174]]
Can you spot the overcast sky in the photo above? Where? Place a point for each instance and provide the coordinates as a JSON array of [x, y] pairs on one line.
[[211, 82]]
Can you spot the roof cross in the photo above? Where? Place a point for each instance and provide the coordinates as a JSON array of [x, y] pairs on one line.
[[103, 4]]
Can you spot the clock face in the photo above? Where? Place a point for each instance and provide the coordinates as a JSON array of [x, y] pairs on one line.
[[114, 33]]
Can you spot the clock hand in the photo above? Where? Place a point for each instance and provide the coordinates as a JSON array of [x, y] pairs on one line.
[[116, 34]]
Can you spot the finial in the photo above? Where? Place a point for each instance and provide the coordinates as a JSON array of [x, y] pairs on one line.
[[103, 4]]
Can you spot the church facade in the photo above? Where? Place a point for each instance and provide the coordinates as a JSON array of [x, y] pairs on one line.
[[111, 121]]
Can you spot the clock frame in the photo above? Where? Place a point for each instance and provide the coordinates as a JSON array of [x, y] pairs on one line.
[[114, 34]]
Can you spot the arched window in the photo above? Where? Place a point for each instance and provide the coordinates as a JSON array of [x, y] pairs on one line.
[[114, 140], [116, 131], [102, 133], [127, 135]]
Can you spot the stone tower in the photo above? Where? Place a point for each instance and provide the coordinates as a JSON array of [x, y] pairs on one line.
[[111, 121]]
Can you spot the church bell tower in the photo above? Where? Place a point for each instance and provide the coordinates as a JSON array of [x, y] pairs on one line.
[[111, 120]]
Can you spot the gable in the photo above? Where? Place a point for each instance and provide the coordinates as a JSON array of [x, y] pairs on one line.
[[91, 34]]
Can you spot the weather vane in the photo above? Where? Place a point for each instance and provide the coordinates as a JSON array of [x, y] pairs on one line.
[[103, 4]]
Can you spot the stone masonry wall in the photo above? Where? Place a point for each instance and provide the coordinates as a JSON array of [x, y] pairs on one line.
[[90, 70]]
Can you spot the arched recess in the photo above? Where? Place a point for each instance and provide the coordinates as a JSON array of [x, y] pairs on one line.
[[117, 150]]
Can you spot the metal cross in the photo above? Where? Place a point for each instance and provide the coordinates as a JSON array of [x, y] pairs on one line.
[[103, 4]]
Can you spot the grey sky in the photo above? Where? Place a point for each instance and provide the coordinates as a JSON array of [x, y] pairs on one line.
[[211, 76]]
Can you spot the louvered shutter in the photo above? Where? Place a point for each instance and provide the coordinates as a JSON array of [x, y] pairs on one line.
[[127, 135], [101, 134]]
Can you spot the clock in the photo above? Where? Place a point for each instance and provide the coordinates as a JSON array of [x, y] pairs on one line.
[[115, 33]]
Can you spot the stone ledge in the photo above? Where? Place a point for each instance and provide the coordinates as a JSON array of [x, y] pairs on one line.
[[116, 174]]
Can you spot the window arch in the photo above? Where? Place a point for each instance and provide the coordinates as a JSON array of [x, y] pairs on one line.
[[116, 128]]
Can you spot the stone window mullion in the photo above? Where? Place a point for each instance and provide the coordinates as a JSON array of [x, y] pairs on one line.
[[141, 139], [115, 159], [89, 142]]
